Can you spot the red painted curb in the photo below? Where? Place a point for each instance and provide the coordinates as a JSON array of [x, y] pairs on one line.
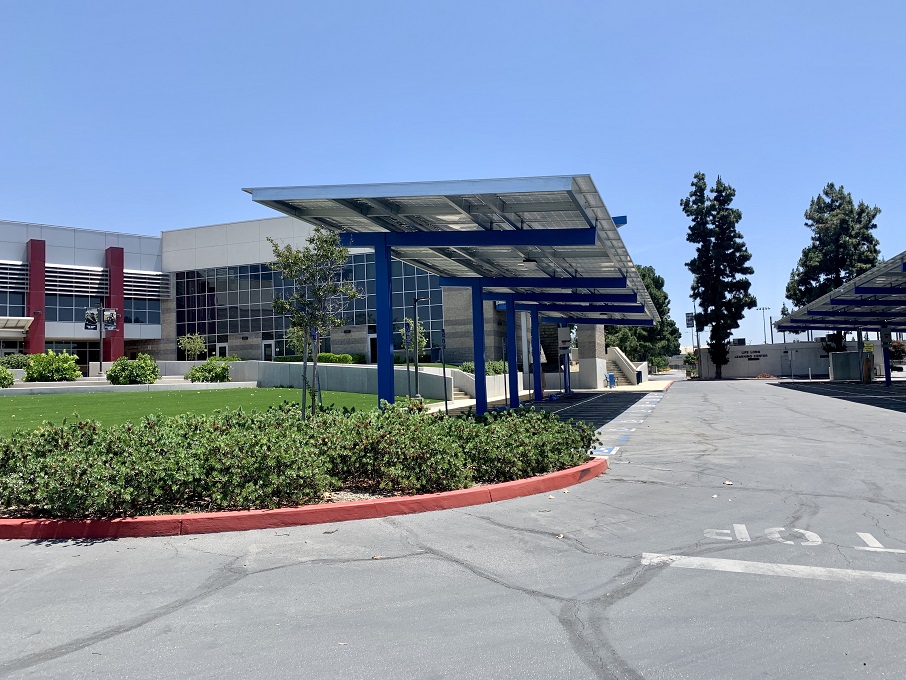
[[245, 520]]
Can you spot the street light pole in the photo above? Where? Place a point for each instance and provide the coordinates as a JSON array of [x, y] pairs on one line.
[[763, 322], [415, 302]]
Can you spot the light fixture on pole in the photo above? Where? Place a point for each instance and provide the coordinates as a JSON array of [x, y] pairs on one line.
[[415, 302], [763, 322]]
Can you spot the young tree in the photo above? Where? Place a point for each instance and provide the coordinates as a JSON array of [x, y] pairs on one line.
[[421, 336], [720, 266], [643, 343], [842, 248], [319, 296], [193, 345]]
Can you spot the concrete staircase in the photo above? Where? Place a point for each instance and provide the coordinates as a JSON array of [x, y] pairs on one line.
[[458, 394], [621, 378]]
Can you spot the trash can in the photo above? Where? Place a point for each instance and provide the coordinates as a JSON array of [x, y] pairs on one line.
[[612, 380]]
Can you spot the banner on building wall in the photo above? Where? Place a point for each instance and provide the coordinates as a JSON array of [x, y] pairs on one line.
[[91, 319]]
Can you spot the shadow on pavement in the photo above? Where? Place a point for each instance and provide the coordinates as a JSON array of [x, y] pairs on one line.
[[892, 398], [596, 408]]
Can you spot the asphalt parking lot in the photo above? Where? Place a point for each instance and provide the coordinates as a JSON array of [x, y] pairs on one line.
[[657, 569]]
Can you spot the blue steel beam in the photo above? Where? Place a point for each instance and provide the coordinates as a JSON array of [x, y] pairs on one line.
[[872, 326], [599, 321], [869, 303], [511, 358], [880, 290], [462, 239], [582, 309], [835, 323], [536, 356], [481, 387], [384, 319], [857, 315], [563, 297], [534, 281]]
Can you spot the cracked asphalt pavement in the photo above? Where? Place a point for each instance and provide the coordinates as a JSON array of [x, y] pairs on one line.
[[795, 570]]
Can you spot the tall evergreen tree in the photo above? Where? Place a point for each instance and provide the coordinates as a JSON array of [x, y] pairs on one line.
[[720, 266], [842, 248]]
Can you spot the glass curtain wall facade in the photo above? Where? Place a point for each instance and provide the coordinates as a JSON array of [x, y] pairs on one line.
[[223, 301]]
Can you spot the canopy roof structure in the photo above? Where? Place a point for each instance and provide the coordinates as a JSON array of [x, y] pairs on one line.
[[554, 232], [872, 301], [14, 326]]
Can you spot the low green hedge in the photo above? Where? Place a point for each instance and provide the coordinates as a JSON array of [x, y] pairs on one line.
[[490, 367], [211, 371], [52, 367], [14, 361], [6, 377], [236, 460], [142, 370]]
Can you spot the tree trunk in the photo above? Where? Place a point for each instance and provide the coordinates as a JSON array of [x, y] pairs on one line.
[[316, 347], [304, 376]]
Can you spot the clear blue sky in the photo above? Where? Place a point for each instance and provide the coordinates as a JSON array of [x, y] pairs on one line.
[[141, 117]]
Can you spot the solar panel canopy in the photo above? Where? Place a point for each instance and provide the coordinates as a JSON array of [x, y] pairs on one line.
[[487, 205], [872, 301]]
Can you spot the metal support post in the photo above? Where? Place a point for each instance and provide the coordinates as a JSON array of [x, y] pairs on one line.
[[511, 353], [526, 374], [384, 319], [536, 356], [481, 386]]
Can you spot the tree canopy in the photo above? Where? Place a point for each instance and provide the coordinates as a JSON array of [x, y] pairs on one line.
[[720, 267], [644, 343], [842, 245]]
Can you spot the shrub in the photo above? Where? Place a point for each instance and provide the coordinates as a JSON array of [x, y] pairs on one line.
[[290, 357], [142, 370], [210, 371], [236, 460], [51, 367], [6, 377], [897, 350], [232, 357], [358, 358], [15, 361], [490, 367], [331, 358]]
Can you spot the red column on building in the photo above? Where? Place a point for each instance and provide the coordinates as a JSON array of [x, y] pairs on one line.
[[34, 299], [114, 346]]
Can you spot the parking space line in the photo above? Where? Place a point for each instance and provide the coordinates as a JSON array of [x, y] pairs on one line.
[[770, 568]]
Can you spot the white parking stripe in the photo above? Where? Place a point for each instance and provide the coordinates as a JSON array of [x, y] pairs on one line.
[[770, 569]]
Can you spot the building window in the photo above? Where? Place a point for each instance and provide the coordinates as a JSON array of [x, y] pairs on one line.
[[141, 311], [69, 308], [12, 304]]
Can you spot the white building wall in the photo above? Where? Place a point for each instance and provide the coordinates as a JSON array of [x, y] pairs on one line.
[[79, 247]]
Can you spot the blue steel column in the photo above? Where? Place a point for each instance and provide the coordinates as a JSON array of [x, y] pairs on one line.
[[885, 352], [384, 318], [481, 386], [511, 356], [536, 355]]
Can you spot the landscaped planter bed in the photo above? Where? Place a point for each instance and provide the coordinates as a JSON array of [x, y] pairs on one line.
[[236, 461]]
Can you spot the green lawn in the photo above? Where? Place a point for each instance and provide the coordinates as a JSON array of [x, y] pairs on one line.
[[109, 408]]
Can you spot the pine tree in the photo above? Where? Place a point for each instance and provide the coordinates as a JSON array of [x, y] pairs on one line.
[[842, 248], [720, 266]]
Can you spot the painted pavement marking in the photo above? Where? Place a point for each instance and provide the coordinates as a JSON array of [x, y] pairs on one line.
[[769, 568], [874, 545]]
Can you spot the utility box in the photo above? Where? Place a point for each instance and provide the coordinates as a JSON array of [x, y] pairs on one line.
[[847, 365]]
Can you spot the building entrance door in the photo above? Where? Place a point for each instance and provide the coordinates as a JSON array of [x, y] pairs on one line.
[[267, 350], [372, 350], [221, 350]]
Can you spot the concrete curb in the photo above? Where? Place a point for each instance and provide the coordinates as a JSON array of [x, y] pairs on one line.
[[245, 520]]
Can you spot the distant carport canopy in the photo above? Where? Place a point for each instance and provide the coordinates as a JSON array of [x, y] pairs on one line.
[[14, 327], [874, 301]]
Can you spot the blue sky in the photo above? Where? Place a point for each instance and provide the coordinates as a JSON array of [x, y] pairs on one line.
[[144, 117]]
